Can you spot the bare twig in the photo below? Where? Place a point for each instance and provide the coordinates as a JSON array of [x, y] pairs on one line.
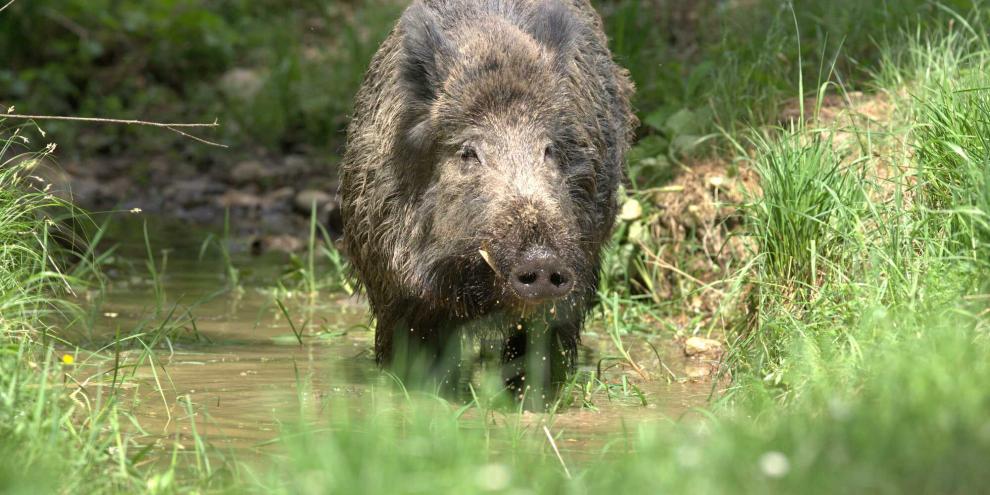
[[174, 127], [105, 121], [6, 5], [555, 451], [663, 264], [196, 138]]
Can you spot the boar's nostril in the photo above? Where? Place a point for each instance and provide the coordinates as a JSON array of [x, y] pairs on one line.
[[558, 279], [528, 278], [541, 279]]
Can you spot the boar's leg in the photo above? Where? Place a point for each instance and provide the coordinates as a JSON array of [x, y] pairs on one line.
[[536, 361], [425, 354]]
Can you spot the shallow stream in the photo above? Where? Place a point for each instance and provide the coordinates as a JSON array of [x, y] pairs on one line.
[[228, 364]]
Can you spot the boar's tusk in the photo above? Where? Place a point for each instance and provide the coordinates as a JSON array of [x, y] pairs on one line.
[[488, 259]]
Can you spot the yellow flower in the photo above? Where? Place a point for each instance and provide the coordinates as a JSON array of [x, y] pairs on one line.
[[68, 359]]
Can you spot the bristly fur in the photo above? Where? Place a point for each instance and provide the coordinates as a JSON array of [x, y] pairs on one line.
[[530, 87]]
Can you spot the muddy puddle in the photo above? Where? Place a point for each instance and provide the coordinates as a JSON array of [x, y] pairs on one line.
[[227, 365]]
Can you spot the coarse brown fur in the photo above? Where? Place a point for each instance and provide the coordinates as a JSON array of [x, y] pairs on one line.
[[484, 128]]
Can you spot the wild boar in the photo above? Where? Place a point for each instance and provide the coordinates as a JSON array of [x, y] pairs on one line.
[[479, 183]]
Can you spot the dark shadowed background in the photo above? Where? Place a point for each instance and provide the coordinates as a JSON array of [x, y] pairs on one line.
[[279, 76]]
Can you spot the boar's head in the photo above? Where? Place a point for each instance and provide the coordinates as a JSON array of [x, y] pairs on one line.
[[508, 213]]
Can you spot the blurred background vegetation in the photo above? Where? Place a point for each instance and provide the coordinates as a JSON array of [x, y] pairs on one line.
[[280, 74]]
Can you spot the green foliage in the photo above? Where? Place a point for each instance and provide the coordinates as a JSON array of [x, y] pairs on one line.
[[415, 447], [24, 228], [835, 245], [954, 160], [860, 421], [857, 429], [33, 423], [748, 60], [298, 66], [322, 269], [282, 75], [803, 189]]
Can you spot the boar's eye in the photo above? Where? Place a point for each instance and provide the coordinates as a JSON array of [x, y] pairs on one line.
[[469, 155]]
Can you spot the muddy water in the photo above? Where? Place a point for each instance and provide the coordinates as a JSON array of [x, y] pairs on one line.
[[230, 366]]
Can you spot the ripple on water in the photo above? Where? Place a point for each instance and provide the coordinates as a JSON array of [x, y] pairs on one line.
[[235, 363]]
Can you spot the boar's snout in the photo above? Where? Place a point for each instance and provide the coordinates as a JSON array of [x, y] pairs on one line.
[[541, 277]]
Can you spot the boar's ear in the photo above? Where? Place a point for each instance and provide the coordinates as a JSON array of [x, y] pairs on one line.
[[553, 25], [427, 52]]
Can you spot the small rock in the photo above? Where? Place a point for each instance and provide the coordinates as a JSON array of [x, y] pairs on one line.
[[631, 210], [280, 195], [304, 200], [278, 221], [694, 346], [697, 370], [238, 199], [191, 192], [249, 171], [194, 214], [716, 181], [241, 83], [295, 165], [280, 243]]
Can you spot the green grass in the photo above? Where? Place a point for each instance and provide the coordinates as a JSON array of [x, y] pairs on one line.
[[321, 269], [36, 428], [954, 160], [905, 420], [803, 187], [56, 435], [857, 329], [734, 77]]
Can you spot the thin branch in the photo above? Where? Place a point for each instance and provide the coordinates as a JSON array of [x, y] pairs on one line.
[[6, 5], [174, 127], [196, 138], [663, 264], [104, 121]]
